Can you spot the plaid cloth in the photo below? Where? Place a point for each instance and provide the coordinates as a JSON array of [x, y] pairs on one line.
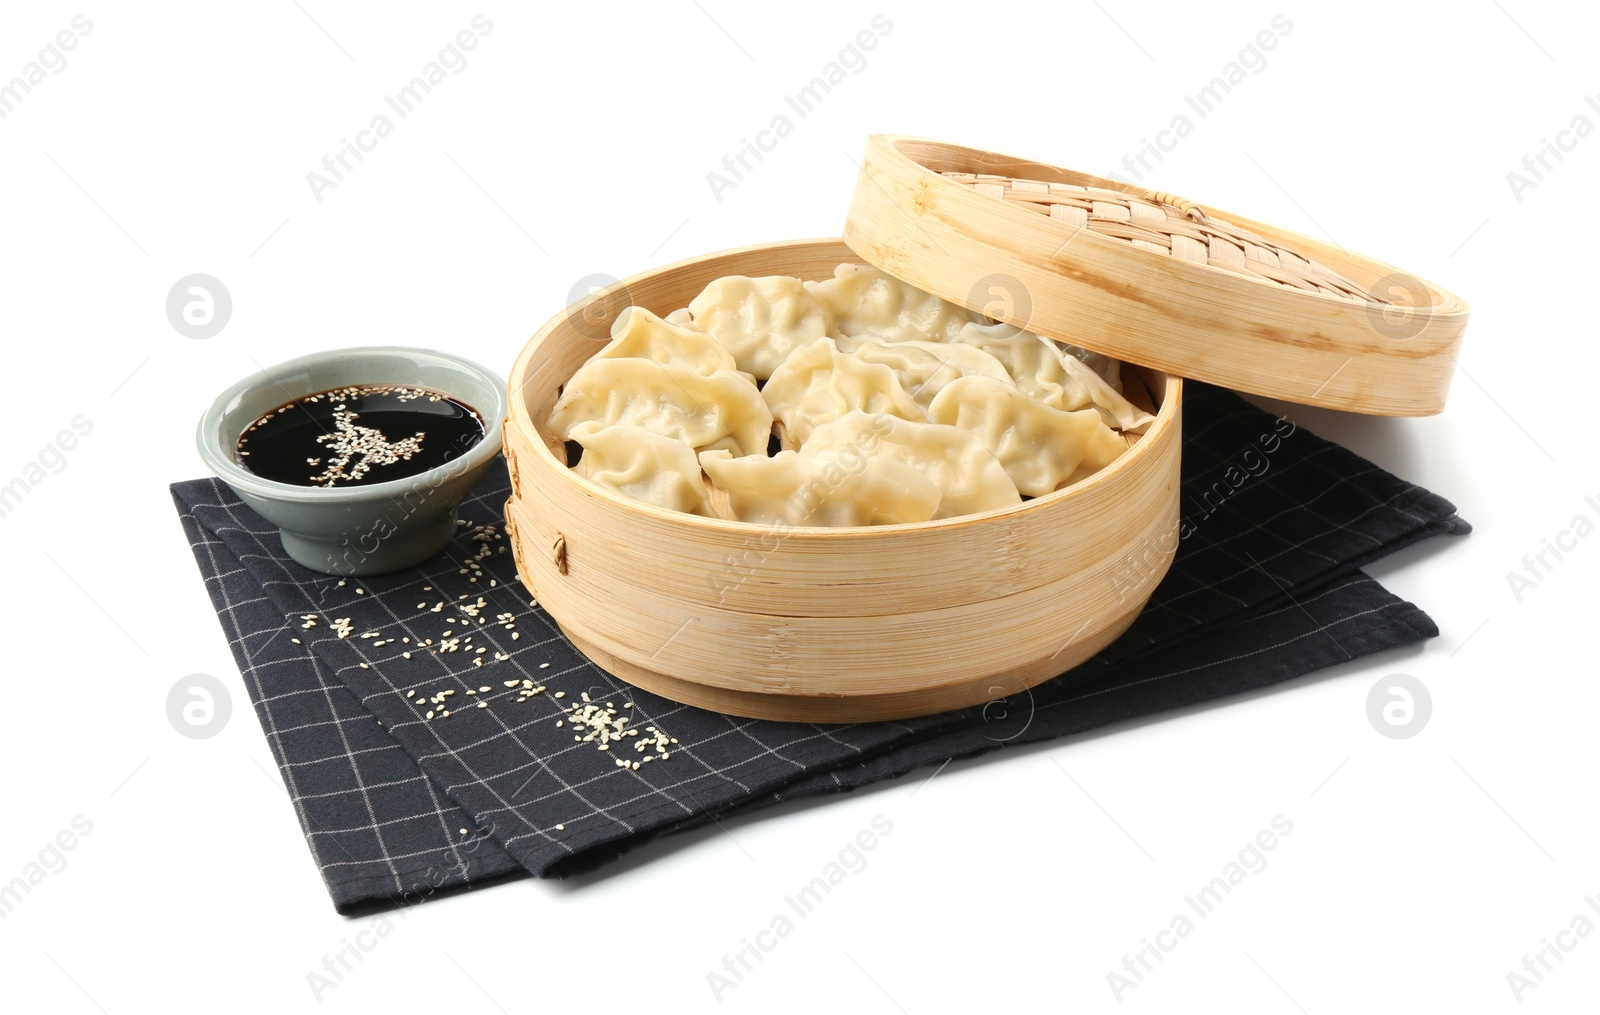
[[1266, 586]]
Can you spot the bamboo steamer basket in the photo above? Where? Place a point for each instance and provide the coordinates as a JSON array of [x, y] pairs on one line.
[[1150, 278], [830, 625]]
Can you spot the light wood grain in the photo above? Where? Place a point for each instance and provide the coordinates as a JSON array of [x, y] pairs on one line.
[[828, 624], [1150, 278]]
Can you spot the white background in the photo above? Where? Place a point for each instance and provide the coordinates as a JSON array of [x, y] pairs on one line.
[[577, 141]]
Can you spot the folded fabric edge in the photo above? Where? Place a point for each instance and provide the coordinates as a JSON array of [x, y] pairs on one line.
[[602, 853], [403, 886], [1407, 627]]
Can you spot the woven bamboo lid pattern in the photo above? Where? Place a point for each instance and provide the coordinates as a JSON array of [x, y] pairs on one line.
[[1155, 279]]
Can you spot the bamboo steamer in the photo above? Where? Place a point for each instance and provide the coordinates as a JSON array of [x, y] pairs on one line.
[[1147, 277], [827, 624]]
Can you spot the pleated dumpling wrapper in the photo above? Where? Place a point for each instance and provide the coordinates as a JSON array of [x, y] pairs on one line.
[[644, 466], [724, 409], [970, 477], [760, 321], [818, 384], [826, 489], [1041, 448], [639, 334], [873, 303]]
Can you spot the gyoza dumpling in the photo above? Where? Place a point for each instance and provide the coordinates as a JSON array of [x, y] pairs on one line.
[[760, 320], [925, 367], [829, 488], [866, 301], [1110, 370], [1040, 447], [637, 333], [966, 472], [681, 317], [1040, 368], [643, 465], [669, 400], [818, 383]]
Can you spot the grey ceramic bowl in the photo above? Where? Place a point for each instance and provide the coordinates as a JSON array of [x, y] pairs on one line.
[[369, 528]]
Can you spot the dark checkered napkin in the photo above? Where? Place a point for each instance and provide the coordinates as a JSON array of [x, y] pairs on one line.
[[1265, 586]]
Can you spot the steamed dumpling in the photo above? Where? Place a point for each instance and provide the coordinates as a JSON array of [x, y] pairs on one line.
[[969, 475], [818, 383], [1041, 369], [1110, 370], [702, 411], [1041, 448], [639, 334], [643, 465], [925, 367], [869, 302], [760, 320], [828, 488]]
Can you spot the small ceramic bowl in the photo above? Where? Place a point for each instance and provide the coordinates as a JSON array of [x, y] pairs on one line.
[[363, 529]]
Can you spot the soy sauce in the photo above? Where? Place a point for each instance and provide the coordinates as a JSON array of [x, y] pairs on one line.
[[362, 434]]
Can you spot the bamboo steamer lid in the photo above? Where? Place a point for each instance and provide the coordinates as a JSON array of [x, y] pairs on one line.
[[1151, 278]]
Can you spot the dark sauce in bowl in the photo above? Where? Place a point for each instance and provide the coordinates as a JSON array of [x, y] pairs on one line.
[[361, 434]]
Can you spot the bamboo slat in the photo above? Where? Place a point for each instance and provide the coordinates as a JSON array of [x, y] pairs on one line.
[[827, 624]]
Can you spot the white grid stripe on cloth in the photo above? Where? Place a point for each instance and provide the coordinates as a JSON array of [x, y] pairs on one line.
[[393, 789]]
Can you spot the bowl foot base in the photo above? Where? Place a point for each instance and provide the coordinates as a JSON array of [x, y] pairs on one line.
[[375, 552]]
